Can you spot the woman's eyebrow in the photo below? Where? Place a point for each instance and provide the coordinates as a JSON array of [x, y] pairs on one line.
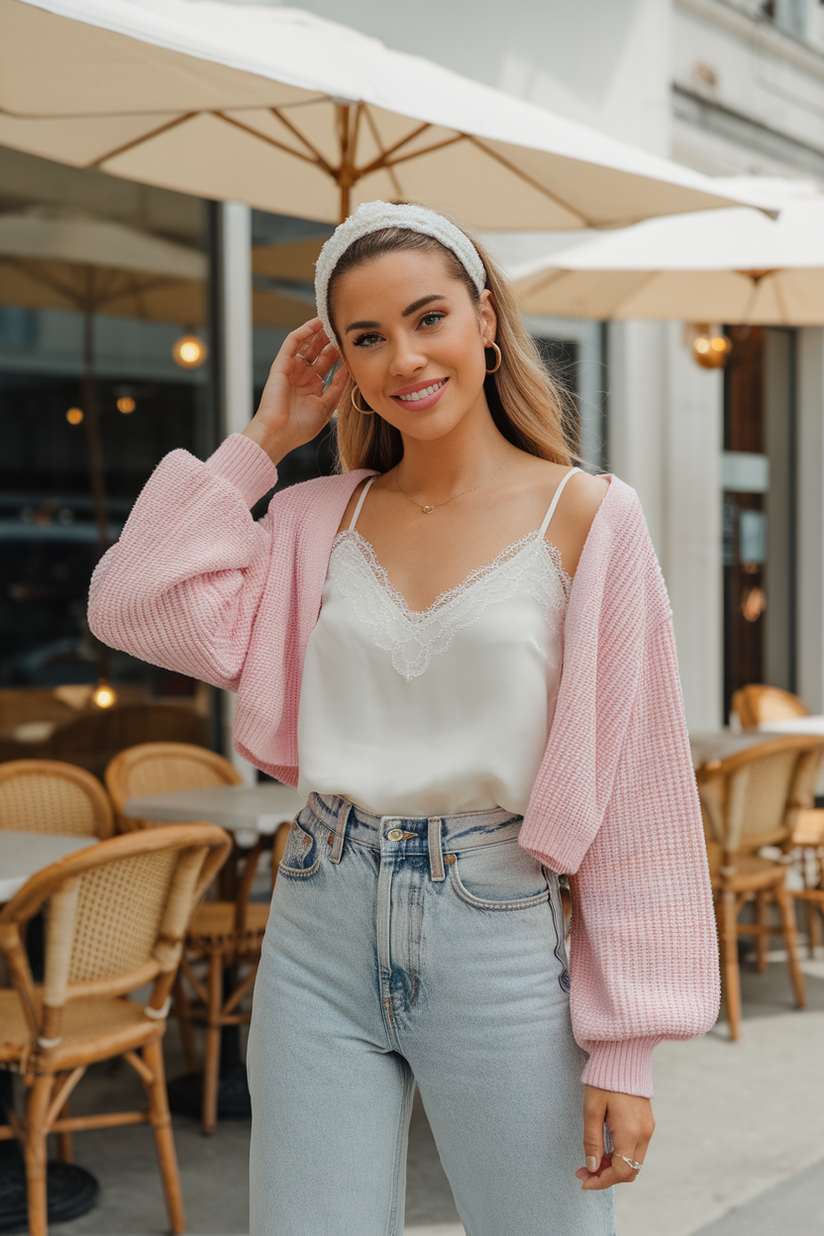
[[413, 308], [419, 304], [362, 326]]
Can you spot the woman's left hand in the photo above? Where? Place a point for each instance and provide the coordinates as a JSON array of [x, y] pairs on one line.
[[629, 1120]]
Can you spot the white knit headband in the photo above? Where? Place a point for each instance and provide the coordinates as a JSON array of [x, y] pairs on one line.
[[374, 217]]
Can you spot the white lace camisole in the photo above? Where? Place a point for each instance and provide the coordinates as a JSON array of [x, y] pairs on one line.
[[436, 711]]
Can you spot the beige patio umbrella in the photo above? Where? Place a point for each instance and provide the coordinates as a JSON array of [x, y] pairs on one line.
[[302, 116], [283, 281], [733, 266]]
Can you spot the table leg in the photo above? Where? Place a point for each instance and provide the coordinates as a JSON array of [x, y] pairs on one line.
[[71, 1191]]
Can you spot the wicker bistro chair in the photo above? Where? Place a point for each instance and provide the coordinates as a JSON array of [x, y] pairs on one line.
[[116, 914], [809, 835], [225, 933], [752, 800], [756, 703], [47, 796]]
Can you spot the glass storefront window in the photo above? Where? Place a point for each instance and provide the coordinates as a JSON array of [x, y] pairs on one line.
[[99, 279], [758, 551], [284, 252]]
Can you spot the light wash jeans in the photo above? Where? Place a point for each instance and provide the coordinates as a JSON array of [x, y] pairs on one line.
[[402, 950]]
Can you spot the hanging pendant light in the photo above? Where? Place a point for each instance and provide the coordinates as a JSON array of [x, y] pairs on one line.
[[189, 352], [710, 348], [104, 695]]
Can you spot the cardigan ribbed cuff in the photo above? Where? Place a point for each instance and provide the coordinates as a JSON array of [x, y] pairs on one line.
[[623, 1066], [245, 465]]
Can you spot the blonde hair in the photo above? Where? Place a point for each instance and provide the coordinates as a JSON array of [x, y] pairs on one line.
[[531, 408]]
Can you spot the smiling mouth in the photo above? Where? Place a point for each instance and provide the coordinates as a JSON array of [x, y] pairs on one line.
[[422, 394]]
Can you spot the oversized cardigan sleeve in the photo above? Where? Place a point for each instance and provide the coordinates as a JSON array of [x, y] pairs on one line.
[[182, 586], [615, 805]]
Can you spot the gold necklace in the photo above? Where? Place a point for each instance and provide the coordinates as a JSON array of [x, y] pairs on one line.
[[427, 510]]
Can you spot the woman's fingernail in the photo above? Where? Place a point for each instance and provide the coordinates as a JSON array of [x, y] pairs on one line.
[[592, 1163]]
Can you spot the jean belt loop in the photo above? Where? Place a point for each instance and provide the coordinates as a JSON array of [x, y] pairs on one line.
[[340, 832], [435, 849]]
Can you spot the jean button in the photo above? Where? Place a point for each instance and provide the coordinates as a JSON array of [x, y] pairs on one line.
[[395, 834]]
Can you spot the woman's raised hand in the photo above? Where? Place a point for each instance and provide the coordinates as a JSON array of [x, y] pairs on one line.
[[294, 407]]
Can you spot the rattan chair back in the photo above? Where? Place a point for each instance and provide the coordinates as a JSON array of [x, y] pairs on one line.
[[753, 798], [47, 796], [757, 702], [116, 915], [161, 768]]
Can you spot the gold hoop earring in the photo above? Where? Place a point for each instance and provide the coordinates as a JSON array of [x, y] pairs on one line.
[[497, 364], [355, 405]]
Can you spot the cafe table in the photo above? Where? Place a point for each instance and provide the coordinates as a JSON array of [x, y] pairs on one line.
[[72, 1190], [709, 745], [813, 724], [250, 812], [23, 854]]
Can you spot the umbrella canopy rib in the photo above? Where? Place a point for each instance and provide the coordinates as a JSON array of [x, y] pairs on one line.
[[522, 175], [315, 157], [141, 140], [376, 138]]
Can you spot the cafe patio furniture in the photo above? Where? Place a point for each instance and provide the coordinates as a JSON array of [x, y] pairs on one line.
[[226, 934], [757, 703], [249, 811], [22, 854], [116, 915], [48, 796], [751, 800]]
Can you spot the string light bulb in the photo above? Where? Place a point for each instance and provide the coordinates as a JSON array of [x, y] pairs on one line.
[[189, 352], [126, 404], [74, 416], [103, 695], [710, 348]]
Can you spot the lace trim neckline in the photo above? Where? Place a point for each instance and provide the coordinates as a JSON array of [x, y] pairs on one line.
[[475, 576]]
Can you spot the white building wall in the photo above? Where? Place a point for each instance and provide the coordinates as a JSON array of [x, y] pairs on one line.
[[234, 373], [748, 96], [636, 403], [692, 564], [810, 528], [664, 424]]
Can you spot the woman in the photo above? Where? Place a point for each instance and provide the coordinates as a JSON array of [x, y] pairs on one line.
[[397, 635]]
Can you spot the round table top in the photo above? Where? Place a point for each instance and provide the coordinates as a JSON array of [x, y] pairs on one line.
[[245, 810], [24, 854]]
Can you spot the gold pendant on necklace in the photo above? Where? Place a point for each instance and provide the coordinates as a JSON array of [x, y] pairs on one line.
[[427, 510]]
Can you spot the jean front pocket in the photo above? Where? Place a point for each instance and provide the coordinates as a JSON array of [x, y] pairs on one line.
[[301, 855], [501, 876]]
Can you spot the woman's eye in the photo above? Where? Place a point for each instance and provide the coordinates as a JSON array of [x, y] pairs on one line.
[[431, 319], [366, 341]]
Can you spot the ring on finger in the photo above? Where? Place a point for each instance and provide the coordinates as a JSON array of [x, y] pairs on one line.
[[306, 360], [636, 1167]]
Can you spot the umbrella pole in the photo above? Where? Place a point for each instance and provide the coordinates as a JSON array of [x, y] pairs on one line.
[[91, 422], [347, 136]]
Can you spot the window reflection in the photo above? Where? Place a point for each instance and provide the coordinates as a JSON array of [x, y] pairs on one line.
[[98, 280]]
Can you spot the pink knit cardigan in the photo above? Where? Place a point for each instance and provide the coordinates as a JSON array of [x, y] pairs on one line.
[[195, 585]]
